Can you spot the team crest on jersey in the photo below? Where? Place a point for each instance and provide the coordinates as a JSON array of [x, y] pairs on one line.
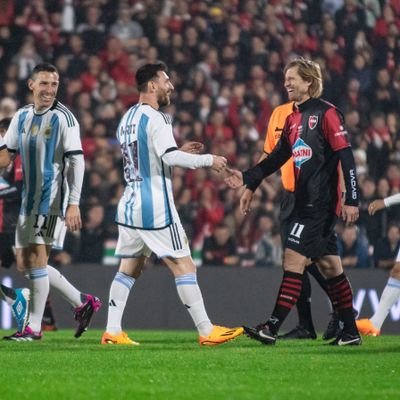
[[34, 130], [47, 132], [302, 152], [312, 121]]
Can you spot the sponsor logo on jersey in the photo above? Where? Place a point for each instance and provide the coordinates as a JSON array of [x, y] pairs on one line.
[[302, 152], [312, 121], [342, 131]]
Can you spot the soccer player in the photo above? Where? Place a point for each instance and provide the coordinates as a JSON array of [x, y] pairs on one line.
[[305, 328], [315, 136], [391, 292], [46, 135], [147, 218], [10, 200]]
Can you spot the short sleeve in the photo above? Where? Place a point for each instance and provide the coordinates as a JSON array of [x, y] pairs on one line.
[[162, 134], [334, 130], [71, 135]]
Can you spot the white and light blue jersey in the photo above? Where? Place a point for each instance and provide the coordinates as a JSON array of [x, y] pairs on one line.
[[145, 135], [44, 142]]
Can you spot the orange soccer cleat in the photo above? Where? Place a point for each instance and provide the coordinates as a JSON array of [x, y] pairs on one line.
[[366, 328], [121, 338], [219, 335]]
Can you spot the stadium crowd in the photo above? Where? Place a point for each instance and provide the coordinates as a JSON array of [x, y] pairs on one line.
[[226, 60]]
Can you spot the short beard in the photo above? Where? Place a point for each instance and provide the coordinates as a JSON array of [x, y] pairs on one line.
[[163, 101]]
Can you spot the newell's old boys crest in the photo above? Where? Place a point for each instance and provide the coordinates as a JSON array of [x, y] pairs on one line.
[[312, 121], [302, 152]]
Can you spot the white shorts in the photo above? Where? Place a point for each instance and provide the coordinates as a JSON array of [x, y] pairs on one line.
[[168, 242], [40, 229]]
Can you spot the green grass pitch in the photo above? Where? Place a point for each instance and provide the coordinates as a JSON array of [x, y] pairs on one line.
[[171, 365]]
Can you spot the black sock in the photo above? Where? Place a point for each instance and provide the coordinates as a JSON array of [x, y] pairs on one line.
[[341, 295], [304, 305], [288, 295], [314, 271]]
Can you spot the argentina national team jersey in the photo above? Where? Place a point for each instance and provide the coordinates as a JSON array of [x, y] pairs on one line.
[[44, 142], [145, 135]]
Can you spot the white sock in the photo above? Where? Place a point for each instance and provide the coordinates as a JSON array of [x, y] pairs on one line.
[[390, 295], [190, 295], [39, 285], [64, 287], [119, 291]]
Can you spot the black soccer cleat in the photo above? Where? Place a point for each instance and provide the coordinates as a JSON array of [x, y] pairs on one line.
[[263, 335], [299, 333], [334, 328], [347, 339]]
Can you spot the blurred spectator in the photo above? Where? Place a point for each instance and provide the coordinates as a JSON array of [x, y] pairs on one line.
[[127, 30], [92, 31], [387, 247], [353, 248], [220, 248], [269, 248], [26, 59], [8, 107], [92, 235]]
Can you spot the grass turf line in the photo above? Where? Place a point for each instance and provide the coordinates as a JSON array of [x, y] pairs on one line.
[[171, 365]]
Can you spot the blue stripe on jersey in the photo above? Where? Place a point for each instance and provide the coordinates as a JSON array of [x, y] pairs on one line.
[[35, 127], [128, 208], [48, 172], [145, 172], [167, 211], [21, 123]]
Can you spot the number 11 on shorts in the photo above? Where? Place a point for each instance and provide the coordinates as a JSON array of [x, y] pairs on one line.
[[297, 229]]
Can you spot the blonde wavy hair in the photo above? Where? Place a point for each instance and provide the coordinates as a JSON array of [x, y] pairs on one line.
[[309, 71]]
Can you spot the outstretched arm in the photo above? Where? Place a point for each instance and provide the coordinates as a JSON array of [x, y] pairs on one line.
[[380, 204], [281, 153], [186, 160]]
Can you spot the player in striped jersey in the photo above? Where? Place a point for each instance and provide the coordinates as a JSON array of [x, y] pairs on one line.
[[147, 218], [47, 137], [391, 292]]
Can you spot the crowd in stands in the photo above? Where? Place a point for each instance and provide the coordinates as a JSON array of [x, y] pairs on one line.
[[226, 60]]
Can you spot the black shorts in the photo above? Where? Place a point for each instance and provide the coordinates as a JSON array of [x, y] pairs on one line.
[[7, 256], [312, 233], [287, 205]]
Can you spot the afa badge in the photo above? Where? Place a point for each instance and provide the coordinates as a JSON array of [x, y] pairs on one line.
[[312, 121], [47, 132], [34, 130]]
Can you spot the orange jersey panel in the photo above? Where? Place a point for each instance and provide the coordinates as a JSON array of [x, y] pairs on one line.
[[274, 132]]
